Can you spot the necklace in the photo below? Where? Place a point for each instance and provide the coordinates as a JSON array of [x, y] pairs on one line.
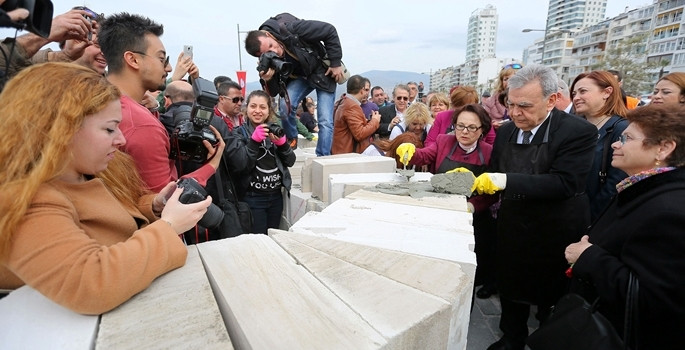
[[599, 122]]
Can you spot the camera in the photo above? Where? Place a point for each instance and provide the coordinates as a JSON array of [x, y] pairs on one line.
[[276, 130], [39, 20], [193, 128], [282, 69], [193, 193]]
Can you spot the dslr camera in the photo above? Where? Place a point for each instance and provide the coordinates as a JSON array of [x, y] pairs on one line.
[[193, 193], [276, 130], [281, 68], [39, 20], [192, 129]]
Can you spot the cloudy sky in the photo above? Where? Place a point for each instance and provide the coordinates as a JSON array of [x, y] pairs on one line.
[[416, 36]]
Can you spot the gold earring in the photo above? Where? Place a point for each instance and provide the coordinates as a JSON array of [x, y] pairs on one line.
[[657, 163]]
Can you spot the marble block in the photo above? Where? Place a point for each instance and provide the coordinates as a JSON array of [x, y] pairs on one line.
[[322, 168]]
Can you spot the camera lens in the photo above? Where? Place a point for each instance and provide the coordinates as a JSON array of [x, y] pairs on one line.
[[212, 217], [277, 130]]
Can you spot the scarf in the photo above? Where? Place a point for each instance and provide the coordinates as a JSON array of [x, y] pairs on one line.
[[631, 180]]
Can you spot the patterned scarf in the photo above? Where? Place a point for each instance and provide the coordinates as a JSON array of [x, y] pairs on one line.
[[627, 182]]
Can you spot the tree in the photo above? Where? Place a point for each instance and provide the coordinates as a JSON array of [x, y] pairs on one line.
[[629, 57]]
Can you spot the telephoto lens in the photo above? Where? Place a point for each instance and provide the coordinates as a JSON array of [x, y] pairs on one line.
[[193, 193]]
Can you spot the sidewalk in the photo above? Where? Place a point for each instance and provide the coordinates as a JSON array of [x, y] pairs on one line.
[[484, 323]]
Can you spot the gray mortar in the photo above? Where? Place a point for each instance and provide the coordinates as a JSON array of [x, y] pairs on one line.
[[454, 183]]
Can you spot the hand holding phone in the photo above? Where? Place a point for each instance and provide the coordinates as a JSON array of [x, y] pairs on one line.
[[188, 50]]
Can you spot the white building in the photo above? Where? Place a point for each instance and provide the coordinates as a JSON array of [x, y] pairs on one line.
[[482, 34]]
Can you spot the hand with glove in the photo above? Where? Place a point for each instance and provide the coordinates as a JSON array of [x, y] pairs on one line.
[[489, 183], [259, 133], [460, 170], [405, 151]]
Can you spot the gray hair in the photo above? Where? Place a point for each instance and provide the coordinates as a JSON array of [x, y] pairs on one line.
[[545, 76], [400, 87]]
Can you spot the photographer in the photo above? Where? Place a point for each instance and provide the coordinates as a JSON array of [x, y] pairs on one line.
[[260, 156], [137, 62], [305, 45], [23, 51]]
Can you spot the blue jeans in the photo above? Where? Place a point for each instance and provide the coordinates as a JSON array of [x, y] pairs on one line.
[[266, 210], [298, 89]]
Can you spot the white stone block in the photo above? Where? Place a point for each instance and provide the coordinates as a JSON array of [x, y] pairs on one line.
[[269, 301], [178, 310], [437, 200], [300, 203], [340, 185], [455, 244], [308, 158], [397, 301], [421, 217], [322, 168], [29, 320]]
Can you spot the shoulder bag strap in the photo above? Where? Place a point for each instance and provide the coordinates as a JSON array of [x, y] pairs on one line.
[[605, 152]]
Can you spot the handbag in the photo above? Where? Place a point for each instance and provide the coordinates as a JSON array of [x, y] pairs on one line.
[[576, 324]]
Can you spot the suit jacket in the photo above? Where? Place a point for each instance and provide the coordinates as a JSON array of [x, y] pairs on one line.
[[543, 211], [640, 232], [387, 114], [351, 131]]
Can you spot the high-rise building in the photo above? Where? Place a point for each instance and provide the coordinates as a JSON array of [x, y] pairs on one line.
[[574, 14], [482, 34]]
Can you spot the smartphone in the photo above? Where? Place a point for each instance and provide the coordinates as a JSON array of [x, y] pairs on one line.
[[188, 50]]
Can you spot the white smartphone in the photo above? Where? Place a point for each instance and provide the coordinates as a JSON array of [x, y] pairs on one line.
[[188, 50]]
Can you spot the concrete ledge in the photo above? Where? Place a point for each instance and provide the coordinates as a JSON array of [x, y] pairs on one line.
[[440, 201]]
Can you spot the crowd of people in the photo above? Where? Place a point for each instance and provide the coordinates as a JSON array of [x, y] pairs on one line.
[[578, 176]]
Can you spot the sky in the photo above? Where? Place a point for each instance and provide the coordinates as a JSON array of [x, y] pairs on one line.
[[414, 36]]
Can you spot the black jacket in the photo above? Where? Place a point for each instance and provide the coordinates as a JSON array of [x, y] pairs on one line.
[[643, 232], [387, 114], [242, 152], [308, 43]]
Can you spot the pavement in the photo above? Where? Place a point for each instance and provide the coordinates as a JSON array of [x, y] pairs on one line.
[[484, 323]]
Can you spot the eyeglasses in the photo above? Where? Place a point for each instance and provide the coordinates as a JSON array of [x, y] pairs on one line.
[[405, 98], [513, 66], [165, 61], [234, 99], [470, 128], [625, 138]]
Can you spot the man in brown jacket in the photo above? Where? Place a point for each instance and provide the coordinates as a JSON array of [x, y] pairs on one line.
[[352, 131]]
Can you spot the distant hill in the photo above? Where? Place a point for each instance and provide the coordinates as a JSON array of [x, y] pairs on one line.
[[387, 79]]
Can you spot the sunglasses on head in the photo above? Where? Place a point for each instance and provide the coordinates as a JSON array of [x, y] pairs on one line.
[[513, 66], [405, 98]]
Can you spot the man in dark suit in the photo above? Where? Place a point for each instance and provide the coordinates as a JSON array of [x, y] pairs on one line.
[[393, 114], [540, 163]]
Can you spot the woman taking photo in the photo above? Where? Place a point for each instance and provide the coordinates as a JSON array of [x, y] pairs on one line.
[[641, 232], [260, 160], [597, 97], [86, 238]]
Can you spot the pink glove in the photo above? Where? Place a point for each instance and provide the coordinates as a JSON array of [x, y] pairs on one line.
[[259, 134], [280, 141]]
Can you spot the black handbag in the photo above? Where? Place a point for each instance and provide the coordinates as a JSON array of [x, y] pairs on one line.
[[576, 324]]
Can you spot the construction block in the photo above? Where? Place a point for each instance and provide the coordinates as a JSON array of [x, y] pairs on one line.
[[388, 289], [269, 301], [178, 310], [340, 185], [306, 178], [437, 200], [322, 168], [29, 320]]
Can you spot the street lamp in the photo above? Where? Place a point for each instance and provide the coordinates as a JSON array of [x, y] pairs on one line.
[[240, 53], [544, 39]]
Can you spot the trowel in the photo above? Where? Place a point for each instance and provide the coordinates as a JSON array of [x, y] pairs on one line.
[[408, 173]]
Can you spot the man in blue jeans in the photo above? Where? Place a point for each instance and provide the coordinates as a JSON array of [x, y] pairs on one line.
[[314, 52]]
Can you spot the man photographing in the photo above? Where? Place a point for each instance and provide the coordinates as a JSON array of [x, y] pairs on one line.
[[313, 50]]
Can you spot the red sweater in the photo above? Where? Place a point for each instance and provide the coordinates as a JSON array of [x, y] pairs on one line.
[[147, 141]]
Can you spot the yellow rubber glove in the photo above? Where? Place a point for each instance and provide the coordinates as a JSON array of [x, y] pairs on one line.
[[489, 183], [460, 170], [405, 151]]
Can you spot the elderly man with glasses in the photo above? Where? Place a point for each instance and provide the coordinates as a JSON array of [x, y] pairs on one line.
[[393, 114]]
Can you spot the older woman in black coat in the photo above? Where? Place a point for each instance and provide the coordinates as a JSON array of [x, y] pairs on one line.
[[641, 232]]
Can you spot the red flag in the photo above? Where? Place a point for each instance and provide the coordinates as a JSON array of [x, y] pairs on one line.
[[242, 77]]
